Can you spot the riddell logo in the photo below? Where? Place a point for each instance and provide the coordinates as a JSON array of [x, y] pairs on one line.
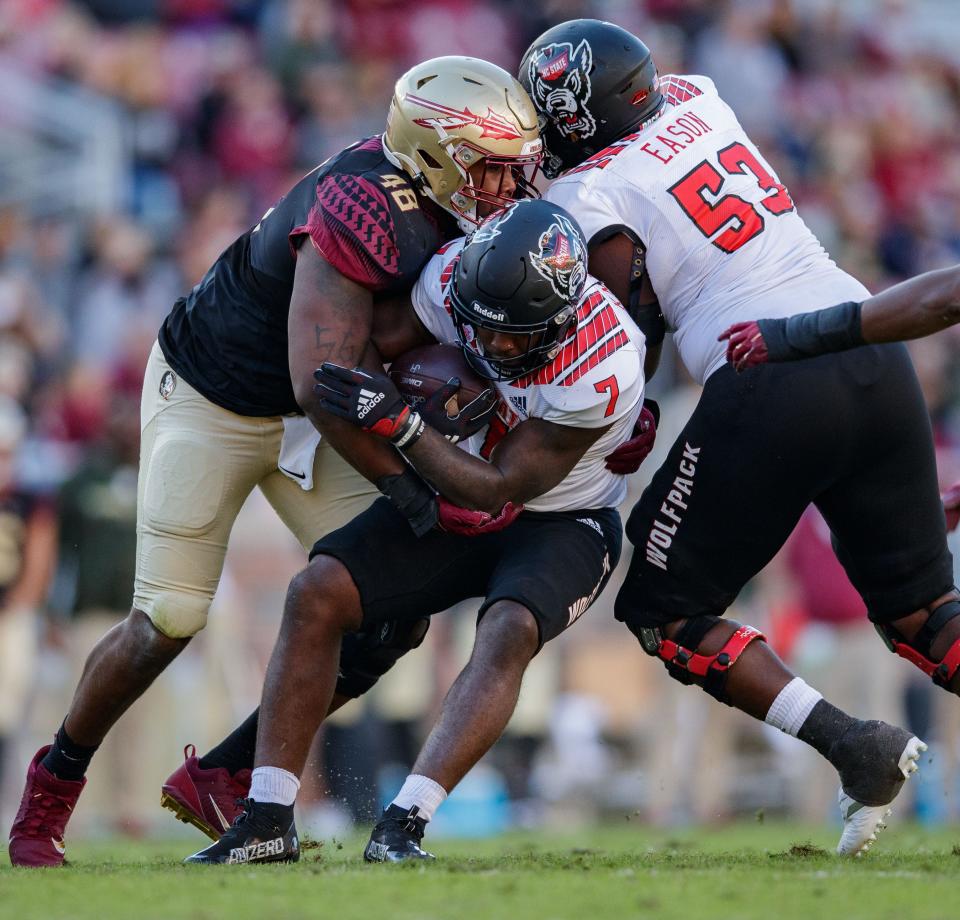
[[367, 402], [487, 313]]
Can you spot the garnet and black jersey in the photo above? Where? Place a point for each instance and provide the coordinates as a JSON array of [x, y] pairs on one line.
[[228, 336]]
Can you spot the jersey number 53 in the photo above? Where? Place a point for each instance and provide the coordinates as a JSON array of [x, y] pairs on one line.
[[743, 220]]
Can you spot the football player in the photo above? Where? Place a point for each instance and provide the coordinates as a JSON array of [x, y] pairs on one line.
[[690, 226], [568, 365], [228, 402]]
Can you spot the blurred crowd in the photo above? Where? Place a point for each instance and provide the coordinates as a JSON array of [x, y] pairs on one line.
[[221, 106]]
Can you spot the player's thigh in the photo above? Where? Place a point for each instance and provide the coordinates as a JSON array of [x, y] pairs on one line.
[[338, 495], [555, 564], [400, 576], [717, 510], [885, 511], [198, 464]]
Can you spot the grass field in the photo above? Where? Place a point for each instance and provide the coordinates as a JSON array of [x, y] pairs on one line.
[[742, 871]]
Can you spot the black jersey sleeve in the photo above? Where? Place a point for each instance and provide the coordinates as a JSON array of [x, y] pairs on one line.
[[352, 227]]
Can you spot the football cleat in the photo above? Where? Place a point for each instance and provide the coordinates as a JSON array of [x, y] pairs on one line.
[[862, 823], [210, 800], [257, 836], [397, 836], [36, 838]]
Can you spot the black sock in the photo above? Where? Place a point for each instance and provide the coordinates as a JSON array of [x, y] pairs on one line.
[[66, 759], [824, 727], [236, 751]]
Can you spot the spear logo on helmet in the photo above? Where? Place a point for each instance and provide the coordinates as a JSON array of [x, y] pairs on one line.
[[491, 125]]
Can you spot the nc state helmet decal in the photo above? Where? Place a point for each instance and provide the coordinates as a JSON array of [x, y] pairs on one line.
[[562, 258], [560, 86]]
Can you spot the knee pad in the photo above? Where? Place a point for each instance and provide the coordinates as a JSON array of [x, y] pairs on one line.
[[917, 650], [685, 664], [178, 615], [366, 656]]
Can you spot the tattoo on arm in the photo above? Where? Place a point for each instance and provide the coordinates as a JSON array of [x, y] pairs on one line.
[[336, 345]]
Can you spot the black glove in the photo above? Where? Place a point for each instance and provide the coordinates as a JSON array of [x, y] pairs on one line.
[[370, 401], [467, 420]]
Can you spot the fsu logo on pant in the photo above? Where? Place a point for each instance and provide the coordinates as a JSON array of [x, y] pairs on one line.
[[168, 383]]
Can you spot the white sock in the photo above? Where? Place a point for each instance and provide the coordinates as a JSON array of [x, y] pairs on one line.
[[792, 706], [271, 784], [423, 792]]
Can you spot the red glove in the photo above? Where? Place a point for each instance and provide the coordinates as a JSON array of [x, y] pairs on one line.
[[626, 459], [951, 505], [455, 519], [745, 345]]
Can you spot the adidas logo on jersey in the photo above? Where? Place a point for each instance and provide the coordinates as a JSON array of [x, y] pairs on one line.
[[367, 402], [519, 403]]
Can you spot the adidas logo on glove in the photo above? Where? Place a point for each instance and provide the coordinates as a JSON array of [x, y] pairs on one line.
[[367, 401]]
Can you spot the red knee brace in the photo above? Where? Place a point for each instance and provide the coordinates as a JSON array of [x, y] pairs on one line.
[[917, 651], [684, 664]]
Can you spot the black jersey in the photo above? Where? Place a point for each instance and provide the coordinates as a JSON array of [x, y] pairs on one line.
[[228, 336]]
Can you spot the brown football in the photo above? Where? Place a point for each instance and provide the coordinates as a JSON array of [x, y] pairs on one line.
[[420, 372]]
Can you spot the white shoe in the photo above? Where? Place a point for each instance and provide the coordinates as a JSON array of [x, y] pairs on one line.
[[862, 823]]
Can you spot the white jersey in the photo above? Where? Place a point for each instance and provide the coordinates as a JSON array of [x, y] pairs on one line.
[[724, 241], [596, 380]]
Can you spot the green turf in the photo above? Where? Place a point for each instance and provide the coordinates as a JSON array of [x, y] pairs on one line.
[[742, 871]]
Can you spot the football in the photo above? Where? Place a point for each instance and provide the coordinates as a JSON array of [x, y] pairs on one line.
[[420, 372]]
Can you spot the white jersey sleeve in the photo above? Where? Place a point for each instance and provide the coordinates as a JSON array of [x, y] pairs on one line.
[[724, 240], [430, 297]]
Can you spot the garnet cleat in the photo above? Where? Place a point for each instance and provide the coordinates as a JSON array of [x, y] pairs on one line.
[[36, 838], [210, 799]]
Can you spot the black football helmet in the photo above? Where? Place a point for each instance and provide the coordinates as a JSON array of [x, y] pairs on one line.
[[522, 272], [592, 82]]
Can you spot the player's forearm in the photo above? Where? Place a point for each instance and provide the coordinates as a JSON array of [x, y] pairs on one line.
[[914, 308], [463, 479]]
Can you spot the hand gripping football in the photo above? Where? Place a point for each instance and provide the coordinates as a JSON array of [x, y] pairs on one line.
[[426, 378]]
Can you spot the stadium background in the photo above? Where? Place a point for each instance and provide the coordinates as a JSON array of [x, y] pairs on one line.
[[139, 137]]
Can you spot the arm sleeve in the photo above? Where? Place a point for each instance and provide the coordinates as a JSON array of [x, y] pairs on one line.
[[351, 226], [820, 332]]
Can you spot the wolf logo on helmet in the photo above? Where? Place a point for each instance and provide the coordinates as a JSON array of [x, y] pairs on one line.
[[560, 85], [561, 259], [521, 275]]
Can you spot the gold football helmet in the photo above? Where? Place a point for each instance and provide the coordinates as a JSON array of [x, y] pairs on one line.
[[449, 114]]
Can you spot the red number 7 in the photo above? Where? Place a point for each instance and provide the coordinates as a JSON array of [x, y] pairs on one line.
[[609, 385]]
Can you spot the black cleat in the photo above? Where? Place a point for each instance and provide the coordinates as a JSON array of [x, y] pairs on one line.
[[263, 833], [397, 836]]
